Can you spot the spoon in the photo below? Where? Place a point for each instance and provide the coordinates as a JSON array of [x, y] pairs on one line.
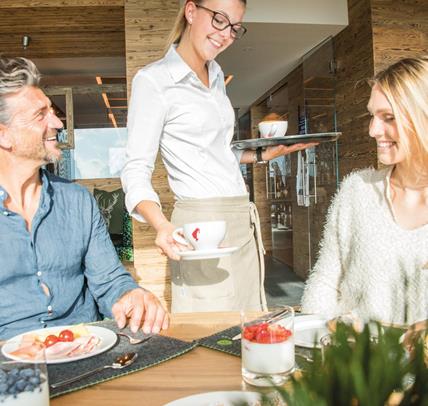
[[133, 340], [120, 362]]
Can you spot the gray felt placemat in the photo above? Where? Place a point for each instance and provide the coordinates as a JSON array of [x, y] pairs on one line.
[[222, 341], [156, 350]]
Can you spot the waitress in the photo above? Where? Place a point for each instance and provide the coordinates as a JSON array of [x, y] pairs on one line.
[[179, 104]]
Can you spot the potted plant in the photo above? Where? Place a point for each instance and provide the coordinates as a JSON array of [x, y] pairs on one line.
[[360, 370]]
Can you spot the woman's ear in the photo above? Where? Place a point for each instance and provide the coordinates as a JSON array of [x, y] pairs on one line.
[[189, 11]]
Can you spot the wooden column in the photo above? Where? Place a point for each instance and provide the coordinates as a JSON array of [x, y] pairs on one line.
[[147, 25], [354, 57], [300, 224], [259, 181]]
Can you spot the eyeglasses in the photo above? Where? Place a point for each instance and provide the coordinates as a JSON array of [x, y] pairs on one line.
[[221, 22]]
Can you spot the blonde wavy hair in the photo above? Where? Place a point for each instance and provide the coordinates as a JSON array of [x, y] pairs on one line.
[[405, 85], [180, 24]]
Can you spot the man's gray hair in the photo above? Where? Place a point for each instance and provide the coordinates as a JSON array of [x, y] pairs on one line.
[[15, 73]]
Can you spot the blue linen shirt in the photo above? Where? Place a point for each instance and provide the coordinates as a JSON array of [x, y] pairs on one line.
[[68, 250]]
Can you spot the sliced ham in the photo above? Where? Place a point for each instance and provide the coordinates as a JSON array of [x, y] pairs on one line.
[[32, 348], [79, 346], [86, 345], [60, 349], [30, 352]]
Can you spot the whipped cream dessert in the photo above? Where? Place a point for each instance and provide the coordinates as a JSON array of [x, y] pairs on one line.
[[267, 349]]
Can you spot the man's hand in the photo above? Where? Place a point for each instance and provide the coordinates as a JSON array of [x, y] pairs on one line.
[[141, 308]]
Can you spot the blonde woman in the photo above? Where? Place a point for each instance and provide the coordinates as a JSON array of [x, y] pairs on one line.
[[179, 105], [374, 255]]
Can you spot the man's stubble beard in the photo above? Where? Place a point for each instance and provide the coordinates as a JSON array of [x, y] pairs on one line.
[[36, 152]]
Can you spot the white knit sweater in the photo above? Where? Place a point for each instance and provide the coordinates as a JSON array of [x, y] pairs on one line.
[[368, 264]]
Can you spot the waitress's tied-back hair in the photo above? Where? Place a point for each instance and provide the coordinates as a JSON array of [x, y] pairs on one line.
[[405, 85], [180, 24]]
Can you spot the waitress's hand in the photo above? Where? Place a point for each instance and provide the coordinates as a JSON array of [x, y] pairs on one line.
[[280, 150], [167, 245]]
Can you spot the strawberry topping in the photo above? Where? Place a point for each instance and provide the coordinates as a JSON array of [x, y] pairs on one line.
[[265, 333]]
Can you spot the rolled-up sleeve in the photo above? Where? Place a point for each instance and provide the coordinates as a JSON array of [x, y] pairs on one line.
[[106, 277], [146, 117]]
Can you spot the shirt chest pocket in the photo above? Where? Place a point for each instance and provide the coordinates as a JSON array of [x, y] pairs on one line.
[[62, 255]]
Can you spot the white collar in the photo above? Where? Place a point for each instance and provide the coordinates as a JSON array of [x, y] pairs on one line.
[[179, 69]]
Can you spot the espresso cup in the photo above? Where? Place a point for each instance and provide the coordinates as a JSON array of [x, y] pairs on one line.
[[204, 235], [269, 129]]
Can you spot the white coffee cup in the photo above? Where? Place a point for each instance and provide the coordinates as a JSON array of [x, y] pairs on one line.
[[204, 235], [269, 129]]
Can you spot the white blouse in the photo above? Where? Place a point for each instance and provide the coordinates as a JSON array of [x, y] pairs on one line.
[[193, 125]]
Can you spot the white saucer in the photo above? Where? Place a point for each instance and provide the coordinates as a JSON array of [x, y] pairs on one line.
[[207, 254], [308, 329]]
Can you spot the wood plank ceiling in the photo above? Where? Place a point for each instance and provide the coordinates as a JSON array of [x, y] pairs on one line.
[[62, 32]]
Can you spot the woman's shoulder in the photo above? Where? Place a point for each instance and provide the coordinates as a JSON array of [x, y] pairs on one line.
[[153, 72], [364, 179]]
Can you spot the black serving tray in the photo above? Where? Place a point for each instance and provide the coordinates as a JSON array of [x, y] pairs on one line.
[[287, 140]]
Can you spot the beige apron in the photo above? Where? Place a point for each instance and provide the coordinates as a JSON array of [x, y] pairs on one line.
[[230, 283]]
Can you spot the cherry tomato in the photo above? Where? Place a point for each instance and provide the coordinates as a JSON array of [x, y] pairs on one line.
[[66, 335], [51, 340]]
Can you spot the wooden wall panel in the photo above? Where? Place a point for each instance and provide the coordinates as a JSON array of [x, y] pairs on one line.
[[108, 184], [60, 3], [400, 29], [60, 32], [147, 25]]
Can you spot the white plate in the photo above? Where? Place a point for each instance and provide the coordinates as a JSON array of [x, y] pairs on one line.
[[207, 254], [229, 398], [308, 329], [108, 339]]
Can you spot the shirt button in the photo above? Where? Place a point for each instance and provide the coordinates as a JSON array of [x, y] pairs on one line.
[[42, 321], [50, 308], [1, 193], [39, 273]]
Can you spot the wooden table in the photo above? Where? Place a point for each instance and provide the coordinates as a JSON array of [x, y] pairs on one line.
[[200, 370]]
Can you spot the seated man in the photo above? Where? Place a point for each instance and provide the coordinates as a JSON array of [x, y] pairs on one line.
[[58, 265]]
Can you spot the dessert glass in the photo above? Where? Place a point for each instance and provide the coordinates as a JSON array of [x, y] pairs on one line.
[[267, 347]]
